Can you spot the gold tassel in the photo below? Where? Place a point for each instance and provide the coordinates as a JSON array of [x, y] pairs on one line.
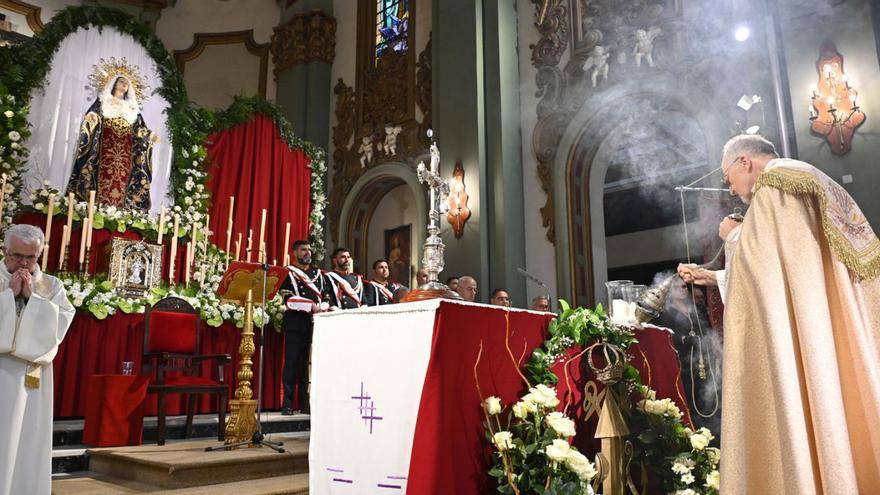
[[32, 378]]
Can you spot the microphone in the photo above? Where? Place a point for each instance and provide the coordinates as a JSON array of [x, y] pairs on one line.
[[537, 281]]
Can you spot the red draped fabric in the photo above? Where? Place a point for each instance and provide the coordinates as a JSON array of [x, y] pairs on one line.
[[450, 453], [98, 347], [253, 163]]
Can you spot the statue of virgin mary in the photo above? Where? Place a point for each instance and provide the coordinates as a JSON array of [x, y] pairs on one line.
[[114, 146]]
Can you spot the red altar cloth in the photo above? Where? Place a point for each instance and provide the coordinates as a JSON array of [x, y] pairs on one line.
[[114, 410], [450, 453], [98, 347]]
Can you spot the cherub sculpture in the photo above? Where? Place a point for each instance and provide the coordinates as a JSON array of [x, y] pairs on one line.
[[598, 60], [645, 45], [390, 145], [366, 151]]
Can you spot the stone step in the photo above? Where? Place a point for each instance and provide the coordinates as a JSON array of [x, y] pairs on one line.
[[90, 483], [185, 464], [68, 432]]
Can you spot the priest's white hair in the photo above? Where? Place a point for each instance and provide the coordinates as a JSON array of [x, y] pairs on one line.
[[749, 145], [24, 233]]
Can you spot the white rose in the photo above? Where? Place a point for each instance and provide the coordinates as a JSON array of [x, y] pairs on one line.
[[10, 98], [543, 395], [713, 480], [492, 405], [706, 432], [714, 455], [39, 206], [558, 451], [523, 408], [699, 441], [580, 465], [503, 440], [560, 424], [15, 146], [78, 301], [685, 492], [687, 478], [9, 114], [14, 136]]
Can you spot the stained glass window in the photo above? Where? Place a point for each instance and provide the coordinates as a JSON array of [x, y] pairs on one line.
[[392, 25]]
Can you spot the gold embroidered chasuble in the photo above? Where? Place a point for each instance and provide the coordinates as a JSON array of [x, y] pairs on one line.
[[801, 363]]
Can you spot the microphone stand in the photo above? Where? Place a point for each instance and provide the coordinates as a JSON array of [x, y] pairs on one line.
[[258, 439], [539, 282]]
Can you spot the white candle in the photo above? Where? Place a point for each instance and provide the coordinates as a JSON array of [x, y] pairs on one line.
[[249, 245], [161, 225], [189, 246], [173, 257], [238, 247], [70, 202], [91, 211], [82, 241], [229, 223], [65, 235], [262, 244], [48, 232], [286, 242]]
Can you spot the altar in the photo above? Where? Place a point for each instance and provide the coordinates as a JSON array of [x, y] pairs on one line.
[[395, 398]]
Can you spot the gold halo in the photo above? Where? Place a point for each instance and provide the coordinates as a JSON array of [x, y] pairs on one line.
[[107, 70]]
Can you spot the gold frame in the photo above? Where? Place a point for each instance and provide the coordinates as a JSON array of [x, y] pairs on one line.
[[121, 251]]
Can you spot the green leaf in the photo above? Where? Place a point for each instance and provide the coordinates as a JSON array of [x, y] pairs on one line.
[[98, 219], [125, 306], [120, 227], [106, 286], [563, 305], [99, 311]]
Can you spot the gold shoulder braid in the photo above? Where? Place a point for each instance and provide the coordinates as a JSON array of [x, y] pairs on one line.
[[846, 229], [32, 377]]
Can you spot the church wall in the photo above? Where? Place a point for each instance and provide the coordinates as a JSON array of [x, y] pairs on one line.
[[805, 24], [230, 63], [540, 253], [396, 209]]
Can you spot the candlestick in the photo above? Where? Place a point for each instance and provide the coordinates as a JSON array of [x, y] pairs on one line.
[[229, 226], [238, 247], [202, 275], [286, 259], [161, 225], [264, 257], [62, 258], [173, 256], [47, 235]]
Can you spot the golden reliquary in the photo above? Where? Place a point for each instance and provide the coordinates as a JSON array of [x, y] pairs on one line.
[[135, 266]]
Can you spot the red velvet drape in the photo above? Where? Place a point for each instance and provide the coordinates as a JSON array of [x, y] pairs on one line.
[[253, 163]]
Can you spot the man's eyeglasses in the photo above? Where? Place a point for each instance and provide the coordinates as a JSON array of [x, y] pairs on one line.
[[20, 257]]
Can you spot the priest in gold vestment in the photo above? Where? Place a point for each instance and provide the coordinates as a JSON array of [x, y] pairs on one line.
[[801, 333]]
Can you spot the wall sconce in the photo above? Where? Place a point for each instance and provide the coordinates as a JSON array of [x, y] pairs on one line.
[[458, 212], [834, 110]]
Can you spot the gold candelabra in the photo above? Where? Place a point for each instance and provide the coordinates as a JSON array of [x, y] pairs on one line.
[[242, 422]]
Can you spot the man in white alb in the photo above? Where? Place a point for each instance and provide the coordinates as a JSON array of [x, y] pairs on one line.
[[34, 316]]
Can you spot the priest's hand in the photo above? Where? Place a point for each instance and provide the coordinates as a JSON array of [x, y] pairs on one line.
[[15, 283], [690, 273], [726, 227], [26, 283]]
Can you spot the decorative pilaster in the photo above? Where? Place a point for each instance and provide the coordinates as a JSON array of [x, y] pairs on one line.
[[305, 38]]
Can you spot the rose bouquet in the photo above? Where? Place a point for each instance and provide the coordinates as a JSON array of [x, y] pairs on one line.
[[532, 453]]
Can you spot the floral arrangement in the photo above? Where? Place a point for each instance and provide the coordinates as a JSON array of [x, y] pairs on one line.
[[681, 459], [532, 450], [14, 130]]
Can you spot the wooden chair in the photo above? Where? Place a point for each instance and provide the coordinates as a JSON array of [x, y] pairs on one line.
[[173, 363]]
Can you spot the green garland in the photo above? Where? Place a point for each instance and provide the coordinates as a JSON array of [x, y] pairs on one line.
[[243, 110]]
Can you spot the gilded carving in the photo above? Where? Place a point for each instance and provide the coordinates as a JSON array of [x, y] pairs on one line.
[[551, 19], [307, 37], [423, 90]]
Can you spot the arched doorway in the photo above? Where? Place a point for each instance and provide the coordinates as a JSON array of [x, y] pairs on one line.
[[391, 190], [640, 136]]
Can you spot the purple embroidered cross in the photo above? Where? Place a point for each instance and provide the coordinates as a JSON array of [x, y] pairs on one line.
[[367, 412]]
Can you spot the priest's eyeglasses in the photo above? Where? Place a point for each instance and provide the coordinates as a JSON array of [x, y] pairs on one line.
[[18, 258]]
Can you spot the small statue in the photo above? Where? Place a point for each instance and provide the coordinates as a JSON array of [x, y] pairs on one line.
[[390, 146], [135, 272], [598, 59], [645, 45], [366, 151]]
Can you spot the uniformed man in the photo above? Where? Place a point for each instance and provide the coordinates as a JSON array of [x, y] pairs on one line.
[[381, 290], [345, 289], [306, 290]]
